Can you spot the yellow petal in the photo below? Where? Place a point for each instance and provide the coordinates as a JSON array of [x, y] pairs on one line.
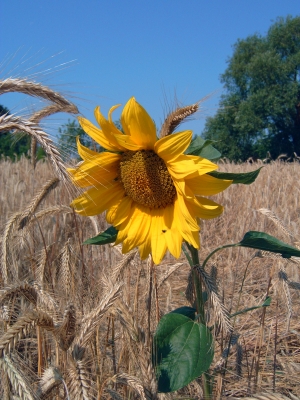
[[207, 185], [171, 232], [189, 167], [158, 241], [187, 214], [145, 248], [204, 208], [188, 234], [171, 146], [99, 170], [127, 143], [104, 139], [138, 124], [96, 200], [84, 152], [108, 128], [119, 213], [139, 226]]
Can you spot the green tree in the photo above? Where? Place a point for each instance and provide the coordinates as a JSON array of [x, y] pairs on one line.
[[13, 145], [260, 110]]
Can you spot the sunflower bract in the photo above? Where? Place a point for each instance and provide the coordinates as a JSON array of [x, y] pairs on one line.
[[152, 193]]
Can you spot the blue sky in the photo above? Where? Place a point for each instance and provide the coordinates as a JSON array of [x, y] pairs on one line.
[[102, 52]]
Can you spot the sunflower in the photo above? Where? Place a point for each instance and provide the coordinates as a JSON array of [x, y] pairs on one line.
[[151, 191]]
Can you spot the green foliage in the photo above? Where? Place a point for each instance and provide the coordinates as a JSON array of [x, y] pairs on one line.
[[183, 349], [203, 148], [245, 178], [13, 145], [260, 111], [263, 241], [108, 236], [67, 140]]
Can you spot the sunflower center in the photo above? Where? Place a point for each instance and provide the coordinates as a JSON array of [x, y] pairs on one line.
[[146, 179]]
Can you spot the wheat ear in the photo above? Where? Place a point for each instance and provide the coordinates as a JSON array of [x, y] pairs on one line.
[[65, 333], [10, 122], [221, 313], [49, 380], [91, 321], [17, 378], [133, 382], [50, 185], [22, 326], [273, 217], [4, 246], [78, 380], [175, 118], [34, 89], [24, 290]]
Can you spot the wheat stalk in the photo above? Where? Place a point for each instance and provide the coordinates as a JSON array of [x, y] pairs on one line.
[[50, 185], [18, 379], [35, 89], [78, 380], [91, 321], [50, 379], [133, 382], [10, 122], [4, 246], [23, 325], [65, 333], [221, 313], [175, 118], [273, 217]]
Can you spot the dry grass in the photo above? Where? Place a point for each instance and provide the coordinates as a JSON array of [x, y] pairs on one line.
[[76, 321]]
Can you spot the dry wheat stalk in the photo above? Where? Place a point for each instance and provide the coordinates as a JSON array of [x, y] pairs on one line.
[[77, 380], [49, 380], [65, 333], [114, 395], [267, 396], [23, 325], [26, 290], [126, 317], [169, 272], [273, 217], [126, 260], [50, 185], [91, 321], [175, 118], [18, 379], [34, 89], [66, 268], [4, 246], [10, 122], [221, 313], [133, 382]]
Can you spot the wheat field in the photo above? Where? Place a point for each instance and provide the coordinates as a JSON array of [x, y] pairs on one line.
[[77, 321], [78, 316]]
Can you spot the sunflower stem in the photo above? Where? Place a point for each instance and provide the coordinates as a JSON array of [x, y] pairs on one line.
[[217, 249], [194, 262]]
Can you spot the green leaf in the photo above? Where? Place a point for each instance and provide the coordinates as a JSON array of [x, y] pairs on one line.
[[245, 178], [108, 236], [202, 148], [183, 350], [263, 241], [186, 311], [266, 303]]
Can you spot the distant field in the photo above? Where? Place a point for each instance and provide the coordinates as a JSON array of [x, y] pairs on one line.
[[87, 308]]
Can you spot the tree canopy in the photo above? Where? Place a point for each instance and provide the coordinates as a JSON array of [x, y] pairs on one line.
[[13, 145], [260, 110]]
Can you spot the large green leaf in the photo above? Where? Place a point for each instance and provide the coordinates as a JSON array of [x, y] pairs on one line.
[[183, 350], [263, 241], [203, 148], [108, 236], [245, 178]]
